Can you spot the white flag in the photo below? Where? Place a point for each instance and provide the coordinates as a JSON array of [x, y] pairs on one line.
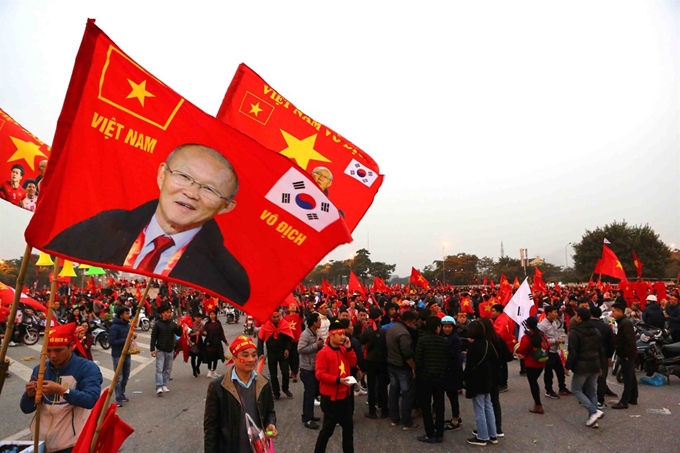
[[361, 173], [303, 199], [606, 241], [520, 305]]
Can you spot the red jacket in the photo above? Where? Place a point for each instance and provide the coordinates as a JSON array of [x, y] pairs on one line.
[[527, 351], [331, 365]]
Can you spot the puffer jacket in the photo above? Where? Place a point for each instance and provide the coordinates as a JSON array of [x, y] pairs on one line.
[[653, 315], [585, 349], [117, 336]]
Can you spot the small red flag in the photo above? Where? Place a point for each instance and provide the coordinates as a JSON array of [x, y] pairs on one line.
[[418, 279], [485, 309], [113, 432], [486, 280], [355, 284], [515, 284], [638, 264], [23, 158], [327, 289], [347, 175], [181, 219], [466, 305]]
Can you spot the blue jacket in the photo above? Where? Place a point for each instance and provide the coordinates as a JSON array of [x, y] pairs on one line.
[[117, 336]]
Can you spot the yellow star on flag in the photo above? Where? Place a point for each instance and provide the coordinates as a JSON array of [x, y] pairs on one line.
[[27, 151], [618, 264], [255, 108], [302, 151], [139, 91], [342, 368]]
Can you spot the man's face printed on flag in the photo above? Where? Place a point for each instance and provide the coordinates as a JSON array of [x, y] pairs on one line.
[[323, 177], [183, 206]]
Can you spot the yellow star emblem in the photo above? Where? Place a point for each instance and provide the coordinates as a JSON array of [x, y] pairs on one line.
[[293, 325], [342, 369], [255, 108], [302, 151], [618, 264], [487, 307], [139, 91], [27, 151]]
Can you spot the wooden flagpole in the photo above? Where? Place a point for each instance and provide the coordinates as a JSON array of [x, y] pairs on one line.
[[119, 368], [9, 331], [43, 353]]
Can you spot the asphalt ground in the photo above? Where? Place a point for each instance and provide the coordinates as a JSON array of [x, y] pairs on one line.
[[174, 422]]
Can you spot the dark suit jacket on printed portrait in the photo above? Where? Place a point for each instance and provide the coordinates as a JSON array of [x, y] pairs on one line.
[[108, 236]]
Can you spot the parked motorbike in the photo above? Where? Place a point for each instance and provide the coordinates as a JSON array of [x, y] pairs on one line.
[[144, 322], [644, 335], [231, 314], [100, 334], [662, 358], [26, 332], [249, 326]]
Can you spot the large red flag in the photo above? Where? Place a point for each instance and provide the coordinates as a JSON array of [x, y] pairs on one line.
[[418, 279], [485, 309], [638, 264], [121, 123], [598, 267], [327, 289], [347, 175], [610, 264], [23, 160], [379, 285], [355, 284]]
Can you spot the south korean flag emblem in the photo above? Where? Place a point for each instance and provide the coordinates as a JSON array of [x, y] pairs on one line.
[[302, 198], [361, 173]]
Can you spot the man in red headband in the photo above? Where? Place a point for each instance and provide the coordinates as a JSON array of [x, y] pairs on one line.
[[333, 365], [225, 428], [70, 388]]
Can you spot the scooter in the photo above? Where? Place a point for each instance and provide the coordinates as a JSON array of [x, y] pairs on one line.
[[249, 326], [664, 359], [231, 314], [26, 333], [100, 333], [144, 322]]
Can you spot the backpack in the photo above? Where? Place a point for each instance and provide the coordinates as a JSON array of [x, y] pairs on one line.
[[541, 353]]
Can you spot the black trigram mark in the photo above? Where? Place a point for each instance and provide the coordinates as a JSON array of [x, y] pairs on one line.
[[285, 198], [325, 206], [312, 216], [299, 185]]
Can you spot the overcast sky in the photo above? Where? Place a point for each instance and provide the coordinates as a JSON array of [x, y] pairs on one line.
[[521, 122]]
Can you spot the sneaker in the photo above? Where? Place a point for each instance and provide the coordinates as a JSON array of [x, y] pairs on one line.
[[11, 343], [119, 404], [601, 405], [565, 392], [371, 415], [159, 391], [125, 399], [165, 389], [594, 418], [360, 392], [288, 394], [500, 433], [610, 393], [502, 389], [594, 425], [476, 441], [311, 424], [317, 403], [277, 397], [448, 426], [493, 440], [552, 395], [411, 428], [427, 440]]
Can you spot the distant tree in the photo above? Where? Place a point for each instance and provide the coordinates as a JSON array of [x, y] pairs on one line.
[[651, 251], [509, 267], [361, 263], [382, 270], [673, 266], [485, 266]]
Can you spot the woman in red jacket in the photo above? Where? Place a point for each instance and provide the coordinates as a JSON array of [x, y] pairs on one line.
[[533, 348]]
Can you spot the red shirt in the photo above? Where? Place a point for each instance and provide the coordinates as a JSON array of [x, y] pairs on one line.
[[332, 364], [9, 193]]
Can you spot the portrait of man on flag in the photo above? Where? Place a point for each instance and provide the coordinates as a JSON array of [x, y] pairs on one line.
[[174, 235]]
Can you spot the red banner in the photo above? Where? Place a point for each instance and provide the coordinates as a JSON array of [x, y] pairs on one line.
[[347, 175], [143, 181], [23, 160], [610, 264]]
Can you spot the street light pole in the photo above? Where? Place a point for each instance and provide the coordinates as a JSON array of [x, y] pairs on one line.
[[443, 265], [566, 259]]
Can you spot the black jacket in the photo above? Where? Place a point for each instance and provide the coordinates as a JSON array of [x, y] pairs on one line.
[[673, 317], [368, 339], [108, 236], [585, 349], [431, 357], [222, 417], [625, 341], [607, 337], [163, 335], [478, 369], [653, 315]]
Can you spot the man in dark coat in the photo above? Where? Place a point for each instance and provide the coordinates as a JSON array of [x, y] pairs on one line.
[[608, 349], [653, 313], [626, 350], [175, 235], [585, 351]]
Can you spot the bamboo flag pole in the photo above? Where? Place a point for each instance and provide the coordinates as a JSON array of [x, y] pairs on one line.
[[9, 331], [119, 368], [43, 353]]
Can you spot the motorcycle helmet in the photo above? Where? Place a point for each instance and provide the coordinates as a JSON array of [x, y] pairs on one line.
[[448, 320]]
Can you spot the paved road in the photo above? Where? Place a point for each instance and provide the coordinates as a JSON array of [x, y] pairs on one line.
[[174, 422]]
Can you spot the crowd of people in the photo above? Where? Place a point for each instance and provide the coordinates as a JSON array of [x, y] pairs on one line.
[[410, 351]]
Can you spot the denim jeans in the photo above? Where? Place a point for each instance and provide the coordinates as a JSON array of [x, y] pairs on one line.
[[587, 382], [484, 417], [122, 378], [401, 383], [163, 368], [311, 391]]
